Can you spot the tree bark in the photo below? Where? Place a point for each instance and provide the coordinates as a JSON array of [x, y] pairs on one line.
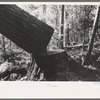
[[24, 29], [62, 26], [49, 63]]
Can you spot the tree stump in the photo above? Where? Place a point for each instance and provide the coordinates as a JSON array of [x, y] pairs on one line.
[[49, 62]]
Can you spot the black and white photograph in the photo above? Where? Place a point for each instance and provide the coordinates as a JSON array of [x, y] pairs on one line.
[[49, 42]]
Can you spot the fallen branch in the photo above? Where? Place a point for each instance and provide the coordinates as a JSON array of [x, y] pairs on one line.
[[81, 45], [7, 68]]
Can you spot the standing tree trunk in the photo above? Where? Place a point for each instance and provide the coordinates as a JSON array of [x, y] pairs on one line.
[[57, 24], [44, 13], [3, 44], [88, 30], [84, 30], [62, 26], [95, 24], [67, 32], [49, 63], [10, 45]]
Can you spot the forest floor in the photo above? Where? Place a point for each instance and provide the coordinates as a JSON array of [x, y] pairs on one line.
[[16, 66], [87, 73]]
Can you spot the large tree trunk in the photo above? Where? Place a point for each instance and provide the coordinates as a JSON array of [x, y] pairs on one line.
[[24, 29], [87, 59], [49, 63], [33, 36]]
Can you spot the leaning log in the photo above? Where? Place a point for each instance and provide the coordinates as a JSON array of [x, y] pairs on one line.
[[24, 29], [87, 59]]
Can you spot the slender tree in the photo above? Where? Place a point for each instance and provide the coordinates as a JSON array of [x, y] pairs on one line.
[[3, 45], [44, 13], [67, 32], [10, 45], [84, 28], [62, 25]]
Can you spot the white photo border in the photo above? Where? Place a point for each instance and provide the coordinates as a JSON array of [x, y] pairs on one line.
[[39, 90]]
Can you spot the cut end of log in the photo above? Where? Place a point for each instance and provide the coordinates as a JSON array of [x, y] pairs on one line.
[[25, 30]]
